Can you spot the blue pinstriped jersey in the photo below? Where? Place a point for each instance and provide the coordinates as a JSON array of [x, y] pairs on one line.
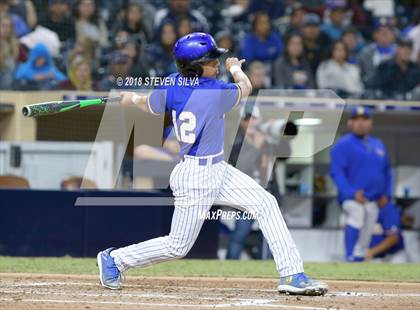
[[197, 111]]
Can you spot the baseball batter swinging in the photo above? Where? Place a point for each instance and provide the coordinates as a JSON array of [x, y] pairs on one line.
[[202, 176]]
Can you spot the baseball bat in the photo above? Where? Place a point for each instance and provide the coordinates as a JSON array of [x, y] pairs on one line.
[[53, 107]]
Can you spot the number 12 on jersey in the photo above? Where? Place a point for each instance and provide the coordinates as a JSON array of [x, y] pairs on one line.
[[185, 133]]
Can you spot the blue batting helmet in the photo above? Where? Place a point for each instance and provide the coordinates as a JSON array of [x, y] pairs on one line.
[[194, 49]]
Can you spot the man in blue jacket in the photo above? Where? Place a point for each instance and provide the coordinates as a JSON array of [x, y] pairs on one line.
[[361, 170]]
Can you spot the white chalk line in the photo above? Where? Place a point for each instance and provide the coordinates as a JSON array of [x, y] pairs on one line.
[[260, 303], [330, 293], [120, 294], [127, 295], [366, 294], [137, 286], [265, 304], [238, 301]]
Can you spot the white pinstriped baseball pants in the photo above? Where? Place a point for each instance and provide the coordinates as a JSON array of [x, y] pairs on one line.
[[196, 188]]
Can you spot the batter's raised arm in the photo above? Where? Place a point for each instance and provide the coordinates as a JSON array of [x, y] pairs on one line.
[[131, 98], [234, 66]]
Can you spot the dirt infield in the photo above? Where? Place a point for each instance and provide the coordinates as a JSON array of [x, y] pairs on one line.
[[43, 291]]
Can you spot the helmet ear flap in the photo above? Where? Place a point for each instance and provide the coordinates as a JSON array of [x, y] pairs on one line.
[[191, 70]]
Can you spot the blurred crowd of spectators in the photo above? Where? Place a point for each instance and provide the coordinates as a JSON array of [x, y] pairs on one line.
[[359, 48]]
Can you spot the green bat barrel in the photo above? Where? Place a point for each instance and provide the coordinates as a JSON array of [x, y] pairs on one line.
[[53, 107]]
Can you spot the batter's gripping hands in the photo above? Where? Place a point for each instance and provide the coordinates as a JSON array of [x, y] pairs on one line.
[[128, 98], [233, 61]]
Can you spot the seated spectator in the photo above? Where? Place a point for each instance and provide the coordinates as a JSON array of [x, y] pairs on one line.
[[387, 242], [140, 65], [160, 54], [262, 43], [39, 71], [353, 44], [135, 51], [337, 74], [9, 51], [88, 24], [26, 10], [292, 71], [383, 48], [119, 67], [257, 73], [396, 77], [184, 27], [178, 9], [79, 76], [316, 43], [85, 48], [58, 19], [334, 26], [20, 26], [295, 12], [132, 22]]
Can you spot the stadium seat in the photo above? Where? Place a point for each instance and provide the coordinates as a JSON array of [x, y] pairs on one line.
[[13, 181]]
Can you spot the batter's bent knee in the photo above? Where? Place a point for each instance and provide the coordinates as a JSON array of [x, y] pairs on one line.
[[272, 200], [178, 252], [269, 201], [268, 204]]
